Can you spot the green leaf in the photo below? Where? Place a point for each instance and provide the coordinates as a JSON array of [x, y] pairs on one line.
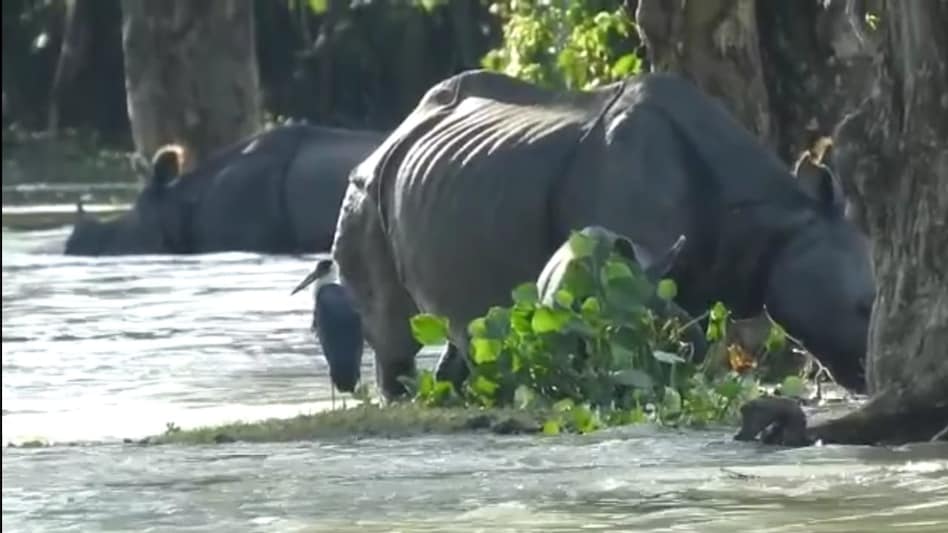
[[793, 386], [498, 323], [667, 357], [628, 294], [591, 308], [581, 245], [485, 350], [564, 298], [667, 289], [319, 6], [546, 320], [776, 338], [551, 427], [632, 377], [525, 293], [426, 384], [484, 388], [614, 270], [626, 65], [477, 328], [719, 312], [429, 329], [521, 320], [729, 389]]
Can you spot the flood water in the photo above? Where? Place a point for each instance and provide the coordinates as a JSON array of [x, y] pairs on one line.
[[98, 350]]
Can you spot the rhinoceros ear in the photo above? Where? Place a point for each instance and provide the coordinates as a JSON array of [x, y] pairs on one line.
[[817, 178], [166, 165]]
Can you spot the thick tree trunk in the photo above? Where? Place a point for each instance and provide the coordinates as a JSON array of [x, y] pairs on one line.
[[191, 74], [71, 55], [715, 44], [901, 179], [896, 148]]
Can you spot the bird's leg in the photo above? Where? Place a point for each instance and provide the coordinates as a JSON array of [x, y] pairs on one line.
[[332, 394]]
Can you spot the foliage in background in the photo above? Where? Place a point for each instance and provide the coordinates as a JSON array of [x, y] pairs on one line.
[[575, 44], [596, 356]]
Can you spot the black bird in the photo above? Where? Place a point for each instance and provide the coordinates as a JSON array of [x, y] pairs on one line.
[[337, 325]]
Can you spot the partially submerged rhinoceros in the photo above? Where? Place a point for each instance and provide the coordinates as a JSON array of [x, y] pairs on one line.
[[278, 191], [480, 184]]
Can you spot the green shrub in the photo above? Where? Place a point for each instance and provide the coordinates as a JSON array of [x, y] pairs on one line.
[[595, 356], [575, 44]]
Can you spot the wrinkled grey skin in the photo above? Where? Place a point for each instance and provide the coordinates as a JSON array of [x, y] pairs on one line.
[[275, 192], [452, 367], [483, 181]]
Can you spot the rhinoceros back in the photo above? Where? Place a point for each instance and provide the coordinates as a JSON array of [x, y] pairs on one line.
[[463, 185]]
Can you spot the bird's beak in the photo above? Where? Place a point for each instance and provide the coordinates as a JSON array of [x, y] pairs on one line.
[[309, 279]]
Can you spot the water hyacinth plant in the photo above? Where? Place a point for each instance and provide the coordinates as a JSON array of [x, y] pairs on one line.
[[596, 350]]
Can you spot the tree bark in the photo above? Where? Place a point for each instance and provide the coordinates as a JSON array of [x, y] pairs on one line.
[[71, 55], [191, 74], [897, 146], [715, 44], [901, 179]]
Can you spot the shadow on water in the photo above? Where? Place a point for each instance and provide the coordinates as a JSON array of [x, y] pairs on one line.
[[102, 349]]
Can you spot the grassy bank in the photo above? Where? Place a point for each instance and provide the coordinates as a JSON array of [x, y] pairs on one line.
[[400, 420]]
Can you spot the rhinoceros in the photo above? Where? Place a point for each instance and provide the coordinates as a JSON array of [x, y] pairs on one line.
[[486, 177], [277, 191]]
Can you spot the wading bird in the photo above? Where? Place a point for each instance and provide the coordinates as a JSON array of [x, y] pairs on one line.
[[337, 325]]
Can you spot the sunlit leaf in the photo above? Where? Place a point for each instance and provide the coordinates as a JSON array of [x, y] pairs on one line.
[[581, 245], [590, 308], [793, 386], [477, 328], [483, 387], [485, 350], [564, 298], [626, 65], [429, 329], [667, 289], [546, 320], [319, 6], [551, 427], [776, 338]]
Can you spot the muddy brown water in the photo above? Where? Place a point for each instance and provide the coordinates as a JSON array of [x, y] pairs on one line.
[[97, 350]]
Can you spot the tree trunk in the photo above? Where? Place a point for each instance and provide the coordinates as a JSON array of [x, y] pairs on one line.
[[191, 74], [715, 44], [71, 54], [901, 134], [896, 148]]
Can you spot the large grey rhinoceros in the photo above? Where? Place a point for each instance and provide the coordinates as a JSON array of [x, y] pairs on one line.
[[480, 184], [277, 191]]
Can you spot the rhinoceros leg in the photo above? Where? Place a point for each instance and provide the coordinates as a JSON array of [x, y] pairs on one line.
[[365, 265]]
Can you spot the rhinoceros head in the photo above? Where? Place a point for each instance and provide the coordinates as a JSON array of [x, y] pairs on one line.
[[821, 286], [149, 227]]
